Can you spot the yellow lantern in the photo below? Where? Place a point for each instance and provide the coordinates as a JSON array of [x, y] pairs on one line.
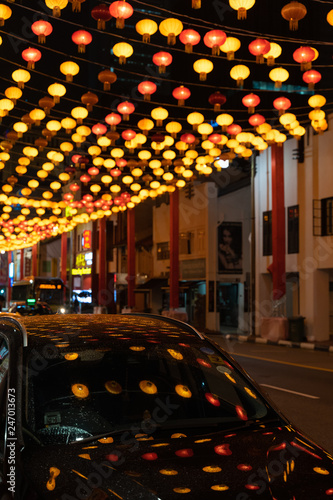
[[30, 152], [317, 115], [5, 13], [79, 113], [298, 132], [159, 114], [56, 90], [224, 120], [95, 188], [56, 6], [54, 126], [274, 52], [146, 28], [78, 139], [195, 119], [20, 128], [203, 66], [64, 177], [205, 129], [286, 119], [173, 128], [127, 179], [7, 188], [83, 130], [94, 151], [48, 166], [171, 28], [239, 73], [69, 69], [144, 155], [242, 6], [278, 75], [6, 105], [47, 195], [109, 163], [230, 46], [264, 128], [13, 93], [68, 124], [55, 186], [37, 115], [20, 170], [145, 125], [317, 101], [33, 184], [117, 153], [122, 50], [104, 142], [42, 174]]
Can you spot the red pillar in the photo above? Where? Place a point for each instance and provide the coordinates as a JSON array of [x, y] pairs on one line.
[[22, 264], [102, 262], [278, 224], [63, 270], [174, 249], [34, 268], [130, 257], [9, 292]]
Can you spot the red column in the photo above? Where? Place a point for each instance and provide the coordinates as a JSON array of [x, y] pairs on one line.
[[102, 262], [63, 270], [9, 293], [278, 224], [34, 267], [174, 249], [130, 257], [22, 265]]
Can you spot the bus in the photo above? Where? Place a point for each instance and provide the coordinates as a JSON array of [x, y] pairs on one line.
[[33, 289]]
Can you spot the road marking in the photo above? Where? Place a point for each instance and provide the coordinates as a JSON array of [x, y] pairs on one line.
[[282, 362], [291, 392]]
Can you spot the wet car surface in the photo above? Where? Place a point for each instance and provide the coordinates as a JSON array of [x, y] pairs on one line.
[[140, 407]]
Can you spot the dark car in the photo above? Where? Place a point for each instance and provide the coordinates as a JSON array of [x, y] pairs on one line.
[[140, 407], [31, 310]]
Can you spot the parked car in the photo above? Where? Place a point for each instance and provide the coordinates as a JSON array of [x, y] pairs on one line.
[[31, 310], [141, 407]]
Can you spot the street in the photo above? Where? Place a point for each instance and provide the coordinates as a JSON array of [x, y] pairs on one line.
[[298, 381]]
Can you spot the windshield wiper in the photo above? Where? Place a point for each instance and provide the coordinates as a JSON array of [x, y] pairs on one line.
[[133, 430]]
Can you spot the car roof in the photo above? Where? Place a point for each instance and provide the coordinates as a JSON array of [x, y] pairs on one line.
[[75, 329]]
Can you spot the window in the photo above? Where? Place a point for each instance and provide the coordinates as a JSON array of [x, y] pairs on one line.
[[267, 233], [163, 251], [46, 266], [293, 229], [185, 243], [327, 216]]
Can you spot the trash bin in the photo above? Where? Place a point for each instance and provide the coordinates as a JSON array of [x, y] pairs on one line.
[[296, 328]]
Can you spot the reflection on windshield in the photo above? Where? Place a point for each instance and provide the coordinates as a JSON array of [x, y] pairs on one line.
[[96, 391]]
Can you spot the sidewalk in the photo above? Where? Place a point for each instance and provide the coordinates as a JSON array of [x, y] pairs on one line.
[[325, 345]]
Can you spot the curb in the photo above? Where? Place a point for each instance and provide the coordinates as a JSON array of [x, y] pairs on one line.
[[285, 343]]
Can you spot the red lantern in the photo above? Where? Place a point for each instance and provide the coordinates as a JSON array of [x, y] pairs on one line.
[[162, 59], [311, 77], [217, 100], [251, 101], [189, 38], [304, 56], [121, 11], [125, 108], [88, 197], [215, 138], [101, 14], [258, 48], [281, 104], [256, 120], [147, 88], [113, 119], [214, 39], [68, 196], [188, 138], [74, 187], [85, 178], [81, 38], [115, 172], [99, 129], [234, 129], [42, 29], [93, 171], [121, 162], [128, 134], [31, 55], [181, 93]]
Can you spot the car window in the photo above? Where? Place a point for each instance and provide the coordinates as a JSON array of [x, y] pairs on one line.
[[93, 391]]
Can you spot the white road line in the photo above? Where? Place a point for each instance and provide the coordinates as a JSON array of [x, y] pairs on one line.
[[292, 392]]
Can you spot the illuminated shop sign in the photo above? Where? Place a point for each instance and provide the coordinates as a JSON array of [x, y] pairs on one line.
[[81, 271], [84, 259], [86, 240], [44, 286]]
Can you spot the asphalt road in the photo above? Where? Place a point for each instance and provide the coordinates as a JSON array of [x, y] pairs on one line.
[[299, 381]]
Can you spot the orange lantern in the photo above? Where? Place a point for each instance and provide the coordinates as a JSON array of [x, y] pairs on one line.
[[121, 10], [189, 38], [258, 48], [146, 28], [5, 13], [181, 94], [281, 104], [293, 12], [304, 56], [89, 99], [311, 77], [126, 108], [107, 77], [162, 59], [31, 55], [147, 88], [171, 28], [81, 38], [42, 29], [251, 101], [69, 69], [113, 119], [214, 39]]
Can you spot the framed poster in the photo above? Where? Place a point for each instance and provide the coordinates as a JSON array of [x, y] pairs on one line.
[[230, 248]]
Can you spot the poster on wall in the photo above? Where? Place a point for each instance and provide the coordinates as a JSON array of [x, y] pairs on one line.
[[230, 248]]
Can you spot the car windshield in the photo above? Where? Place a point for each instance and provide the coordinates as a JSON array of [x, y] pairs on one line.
[[93, 391]]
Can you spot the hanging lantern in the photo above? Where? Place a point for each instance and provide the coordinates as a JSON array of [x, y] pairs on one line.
[[79, 113], [125, 108], [81, 38], [68, 124], [181, 94], [66, 147], [42, 29], [234, 129], [286, 119], [196, 4], [251, 101], [311, 77], [53, 126], [6, 105], [46, 103], [278, 75], [195, 119], [242, 6], [317, 101], [147, 88], [203, 66], [122, 50], [56, 6], [76, 5], [256, 120], [159, 114], [146, 28], [99, 129], [162, 59], [113, 119], [274, 52], [189, 38], [121, 10], [101, 14], [21, 76], [56, 90], [171, 28], [37, 115], [5, 13], [28, 120], [214, 39], [89, 99], [230, 46], [304, 56], [293, 12], [239, 73], [31, 55], [281, 104], [224, 120], [69, 69], [19, 128], [13, 93], [258, 48], [145, 125], [217, 100], [107, 77]]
